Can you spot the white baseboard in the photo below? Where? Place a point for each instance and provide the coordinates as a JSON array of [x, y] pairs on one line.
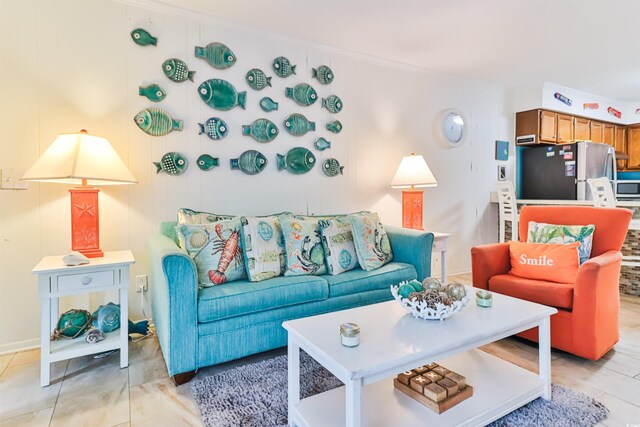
[[14, 347]]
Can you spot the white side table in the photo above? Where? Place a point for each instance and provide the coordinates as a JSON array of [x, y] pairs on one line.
[[440, 245], [55, 279]]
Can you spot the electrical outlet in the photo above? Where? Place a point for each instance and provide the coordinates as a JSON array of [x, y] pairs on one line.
[[142, 283]]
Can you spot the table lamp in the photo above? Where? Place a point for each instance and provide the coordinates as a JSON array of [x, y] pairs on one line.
[[413, 173], [84, 160]]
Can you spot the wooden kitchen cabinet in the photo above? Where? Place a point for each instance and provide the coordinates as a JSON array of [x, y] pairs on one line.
[[633, 147], [597, 131], [608, 134], [620, 144], [581, 129], [548, 126], [565, 128]]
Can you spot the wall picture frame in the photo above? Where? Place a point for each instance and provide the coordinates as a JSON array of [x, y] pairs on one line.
[[502, 150]]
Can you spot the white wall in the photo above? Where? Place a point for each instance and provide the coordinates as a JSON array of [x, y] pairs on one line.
[[68, 65]]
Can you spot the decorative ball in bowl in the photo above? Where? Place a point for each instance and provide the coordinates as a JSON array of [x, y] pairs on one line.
[[429, 299]]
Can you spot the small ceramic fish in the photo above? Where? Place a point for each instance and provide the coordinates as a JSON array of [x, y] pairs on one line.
[[262, 130], [140, 327], [591, 106], [614, 112], [107, 317], [333, 104], [298, 160], [172, 163], [560, 97], [321, 144], [302, 93], [331, 167], [250, 162], [282, 67], [221, 95], [257, 79], [153, 92], [323, 74], [176, 70], [156, 122], [215, 128], [298, 125], [218, 55], [334, 126], [142, 37], [267, 104], [206, 162]]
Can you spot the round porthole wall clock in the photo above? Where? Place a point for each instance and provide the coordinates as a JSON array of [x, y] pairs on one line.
[[451, 128]]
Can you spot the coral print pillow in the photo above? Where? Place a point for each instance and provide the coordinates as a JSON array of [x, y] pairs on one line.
[[216, 250], [337, 242], [551, 233], [303, 247], [554, 263], [371, 241], [263, 246]]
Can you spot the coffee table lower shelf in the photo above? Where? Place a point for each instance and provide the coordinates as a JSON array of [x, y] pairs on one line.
[[499, 388]]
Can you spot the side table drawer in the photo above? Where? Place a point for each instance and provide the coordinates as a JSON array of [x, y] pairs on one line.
[[72, 282]]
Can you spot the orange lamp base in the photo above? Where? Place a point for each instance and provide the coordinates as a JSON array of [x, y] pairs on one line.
[[412, 209], [85, 225]]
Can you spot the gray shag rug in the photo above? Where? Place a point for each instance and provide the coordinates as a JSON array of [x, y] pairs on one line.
[[255, 395]]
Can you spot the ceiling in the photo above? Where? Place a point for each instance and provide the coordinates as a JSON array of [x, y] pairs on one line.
[[588, 45]]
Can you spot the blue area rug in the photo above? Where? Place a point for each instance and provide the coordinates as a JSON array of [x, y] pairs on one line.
[[255, 395]]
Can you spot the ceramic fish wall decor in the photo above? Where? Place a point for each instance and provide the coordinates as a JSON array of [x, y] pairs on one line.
[[250, 162], [156, 122], [218, 55], [215, 128], [298, 125], [298, 160], [257, 79], [334, 126], [331, 167], [221, 95], [614, 112], [303, 94], [262, 130], [282, 67], [590, 106], [153, 92], [205, 162], [560, 97], [172, 163], [267, 104], [323, 74], [321, 144], [141, 37], [176, 70], [333, 104]]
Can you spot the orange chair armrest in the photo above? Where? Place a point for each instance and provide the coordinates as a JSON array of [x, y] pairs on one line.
[[488, 261]]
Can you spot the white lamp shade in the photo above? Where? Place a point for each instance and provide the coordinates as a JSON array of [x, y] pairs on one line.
[[75, 157], [413, 172]]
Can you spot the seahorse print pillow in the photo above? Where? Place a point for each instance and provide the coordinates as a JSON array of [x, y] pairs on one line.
[[540, 232], [302, 245], [216, 249], [337, 242], [371, 241], [263, 247]]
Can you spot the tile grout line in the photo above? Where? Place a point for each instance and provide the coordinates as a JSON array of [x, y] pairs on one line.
[[8, 363], [55, 404]]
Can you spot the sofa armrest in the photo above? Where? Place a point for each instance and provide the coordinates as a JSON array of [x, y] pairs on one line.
[[174, 295], [488, 261], [412, 247]]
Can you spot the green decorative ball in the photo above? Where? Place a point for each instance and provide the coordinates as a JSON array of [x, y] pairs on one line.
[[405, 290], [431, 283], [416, 285], [73, 323]]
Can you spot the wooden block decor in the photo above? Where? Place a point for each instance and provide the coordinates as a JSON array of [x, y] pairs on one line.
[[434, 386]]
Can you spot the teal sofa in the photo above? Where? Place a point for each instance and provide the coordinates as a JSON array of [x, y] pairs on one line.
[[203, 327]]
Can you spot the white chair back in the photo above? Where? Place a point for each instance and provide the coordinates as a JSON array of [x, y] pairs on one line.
[[602, 192], [508, 209]]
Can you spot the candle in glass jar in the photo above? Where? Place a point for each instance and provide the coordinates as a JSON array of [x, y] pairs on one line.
[[350, 334]]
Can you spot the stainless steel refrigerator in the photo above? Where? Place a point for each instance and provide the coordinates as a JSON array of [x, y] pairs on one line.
[[560, 172]]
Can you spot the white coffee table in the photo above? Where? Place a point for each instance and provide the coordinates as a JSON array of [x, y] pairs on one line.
[[392, 341]]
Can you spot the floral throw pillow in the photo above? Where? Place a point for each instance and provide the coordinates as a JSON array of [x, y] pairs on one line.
[[337, 242], [188, 216], [216, 250], [371, 241], [303, 247], [539, 232], [263, 247]]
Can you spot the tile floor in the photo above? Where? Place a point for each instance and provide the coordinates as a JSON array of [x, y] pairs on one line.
[[96, 392]]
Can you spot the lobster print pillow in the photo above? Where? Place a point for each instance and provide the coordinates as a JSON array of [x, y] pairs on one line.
[[216, 250], [539, 232], [337, 242], [371, 241], [302, 245], [263, 247]]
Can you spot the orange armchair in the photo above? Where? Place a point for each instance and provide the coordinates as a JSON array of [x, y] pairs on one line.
[[587, 320]]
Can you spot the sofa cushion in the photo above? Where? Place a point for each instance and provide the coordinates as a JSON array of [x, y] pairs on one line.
[[302, 245], [358, 280], [263, 246], [563, 234], [337, 242], [371, 241], [244, 297], [559, 295]]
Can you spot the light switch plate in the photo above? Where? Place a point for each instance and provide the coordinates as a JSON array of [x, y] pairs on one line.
[[9, 179]]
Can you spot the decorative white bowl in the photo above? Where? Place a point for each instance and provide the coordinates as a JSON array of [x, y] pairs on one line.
[[420, 310]]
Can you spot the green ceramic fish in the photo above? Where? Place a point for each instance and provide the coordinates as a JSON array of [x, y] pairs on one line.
[[282, 67], [321, 144], [214, 127], [221, 95], [142, 37], [262, 130], [267, 104], [217, 55], [250, 162], [176, 70], [152, 92], [172, 163], [298, 160], [156, 122], [298, 125], [334, 126], [331, 167], [323, 74], [302, 93], [206, 162], [333, 103], [257, 79]]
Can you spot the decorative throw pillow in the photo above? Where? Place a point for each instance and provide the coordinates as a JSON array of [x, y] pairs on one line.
[[263, 247], [541, 261], [216, 250], [188, 216], [337, 242], [371, 241], [539, 232], [303, 246]]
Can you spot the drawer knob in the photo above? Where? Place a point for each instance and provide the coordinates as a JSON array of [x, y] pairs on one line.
[[86, 280]]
